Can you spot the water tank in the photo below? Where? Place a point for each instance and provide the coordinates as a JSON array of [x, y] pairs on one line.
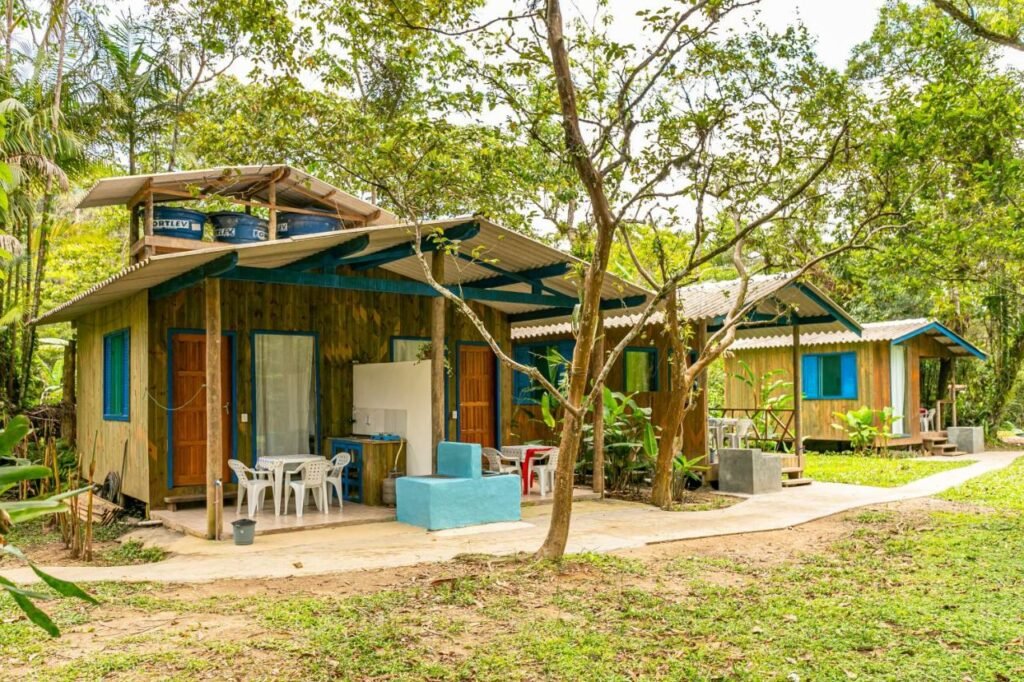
[[232, 227]]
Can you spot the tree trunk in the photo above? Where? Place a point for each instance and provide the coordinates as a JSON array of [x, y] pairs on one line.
[[590, 307], [672, 418]]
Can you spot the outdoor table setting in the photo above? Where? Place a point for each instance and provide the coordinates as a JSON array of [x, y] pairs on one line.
[[278, 466], [525, 454]]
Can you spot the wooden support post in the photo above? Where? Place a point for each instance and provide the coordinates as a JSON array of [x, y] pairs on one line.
[[272, 221], [437, 374], [952, 389], [214, 407], [134, 229], [798, 430], [598, 416], [147, 223]]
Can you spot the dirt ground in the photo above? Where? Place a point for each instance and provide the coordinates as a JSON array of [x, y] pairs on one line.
[[189, 620]]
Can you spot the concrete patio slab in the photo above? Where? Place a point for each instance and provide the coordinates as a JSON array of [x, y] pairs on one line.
[[597, 526]]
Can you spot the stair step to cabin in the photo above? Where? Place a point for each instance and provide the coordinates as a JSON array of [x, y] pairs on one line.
[[173, 502], [952, 453], [793, 482], [792, 470]]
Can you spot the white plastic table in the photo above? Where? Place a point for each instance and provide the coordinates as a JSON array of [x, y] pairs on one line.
[[277, 465]]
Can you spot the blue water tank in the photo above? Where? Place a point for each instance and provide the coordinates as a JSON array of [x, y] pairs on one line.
[[182, 223], [298, 224], [232, 227]]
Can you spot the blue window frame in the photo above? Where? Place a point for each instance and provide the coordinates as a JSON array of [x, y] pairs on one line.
[[116, 375], [829, 376], [543, 355], [639, 369]]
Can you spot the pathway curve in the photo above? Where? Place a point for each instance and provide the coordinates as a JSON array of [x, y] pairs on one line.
[[597, 526]]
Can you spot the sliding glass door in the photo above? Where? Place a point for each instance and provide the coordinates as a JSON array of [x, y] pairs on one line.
[[285, 393]]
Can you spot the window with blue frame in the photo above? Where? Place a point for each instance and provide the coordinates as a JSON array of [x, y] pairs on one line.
[[550, 357], [116, 375], [830, 376], [640, 370]]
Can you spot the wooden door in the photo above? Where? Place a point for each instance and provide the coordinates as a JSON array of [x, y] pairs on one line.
[[477, 407], [188, 418]]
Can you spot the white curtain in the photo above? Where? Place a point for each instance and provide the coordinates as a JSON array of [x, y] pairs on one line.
[[898, 386], [407, 350], [286, 400]]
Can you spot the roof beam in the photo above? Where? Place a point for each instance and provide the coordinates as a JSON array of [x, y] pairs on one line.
[[389, 286], [607, 304], [532, 277], [330, 257], [780, 321], [428, 244], [194, 276], [838, 315], [946, 332]]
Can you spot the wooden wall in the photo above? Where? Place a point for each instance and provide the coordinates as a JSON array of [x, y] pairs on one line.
[[96, 435], [351, 327], [873, 381], [527, 425]]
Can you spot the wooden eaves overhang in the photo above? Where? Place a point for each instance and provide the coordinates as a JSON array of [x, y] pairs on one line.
[[318, 270], [514, 273]]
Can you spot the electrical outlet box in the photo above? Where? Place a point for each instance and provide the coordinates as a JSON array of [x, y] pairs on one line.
[[455, 414], [244, 417]]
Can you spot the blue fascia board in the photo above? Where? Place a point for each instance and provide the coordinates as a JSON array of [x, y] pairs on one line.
[[194, 276], [388, 286], [507, 277], [949, 334], [428, 244], [783, 321], [332, 256]]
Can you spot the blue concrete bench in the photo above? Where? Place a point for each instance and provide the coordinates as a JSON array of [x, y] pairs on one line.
[[459, 495]]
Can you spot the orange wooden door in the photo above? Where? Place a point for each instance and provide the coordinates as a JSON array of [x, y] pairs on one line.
[[188, 421], [477, 413]]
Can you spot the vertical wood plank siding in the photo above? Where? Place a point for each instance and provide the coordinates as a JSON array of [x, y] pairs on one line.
[[351, 326], [527, 425], [105, 439], [873, 383]]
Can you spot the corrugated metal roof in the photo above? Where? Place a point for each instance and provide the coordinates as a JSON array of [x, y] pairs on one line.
[[296, 189], [775, 295], [494, 244], [888, 330]]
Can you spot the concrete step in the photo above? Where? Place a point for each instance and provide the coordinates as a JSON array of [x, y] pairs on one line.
[[792, 470], [793, 482]]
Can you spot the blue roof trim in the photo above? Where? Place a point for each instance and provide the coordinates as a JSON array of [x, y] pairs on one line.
[[949, 334], [840, 316]]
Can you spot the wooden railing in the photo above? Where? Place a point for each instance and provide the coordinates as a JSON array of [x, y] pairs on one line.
[[771, 425]]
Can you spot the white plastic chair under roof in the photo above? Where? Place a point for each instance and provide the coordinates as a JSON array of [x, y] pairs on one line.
[[250, 481], [335, 475], [314, 482], [546, 471], [498, 463]]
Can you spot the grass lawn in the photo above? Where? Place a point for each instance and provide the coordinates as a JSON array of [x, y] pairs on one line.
[[923, 590], [876, 471]]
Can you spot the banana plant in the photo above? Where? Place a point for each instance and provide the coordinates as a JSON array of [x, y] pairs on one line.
[[17, 511]]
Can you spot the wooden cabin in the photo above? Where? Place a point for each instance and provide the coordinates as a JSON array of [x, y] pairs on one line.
[[885, 366], [776, 304], [202, 351]]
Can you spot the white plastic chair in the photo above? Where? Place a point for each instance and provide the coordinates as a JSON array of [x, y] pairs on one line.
[[928, 420], [314, 482], [545, 471], [256, 486], [499, 463], [742, 430], [335, 475]]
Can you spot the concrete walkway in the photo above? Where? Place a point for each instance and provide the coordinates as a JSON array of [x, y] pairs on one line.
[[597, 527]]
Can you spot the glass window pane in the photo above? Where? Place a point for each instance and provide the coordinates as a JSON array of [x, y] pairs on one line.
[[831, 376], [638, 368], [409, 350]]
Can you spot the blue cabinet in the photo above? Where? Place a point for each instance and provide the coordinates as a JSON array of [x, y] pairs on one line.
[[352, 475]]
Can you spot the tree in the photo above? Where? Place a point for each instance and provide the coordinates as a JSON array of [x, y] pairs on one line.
[[999, 22]]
